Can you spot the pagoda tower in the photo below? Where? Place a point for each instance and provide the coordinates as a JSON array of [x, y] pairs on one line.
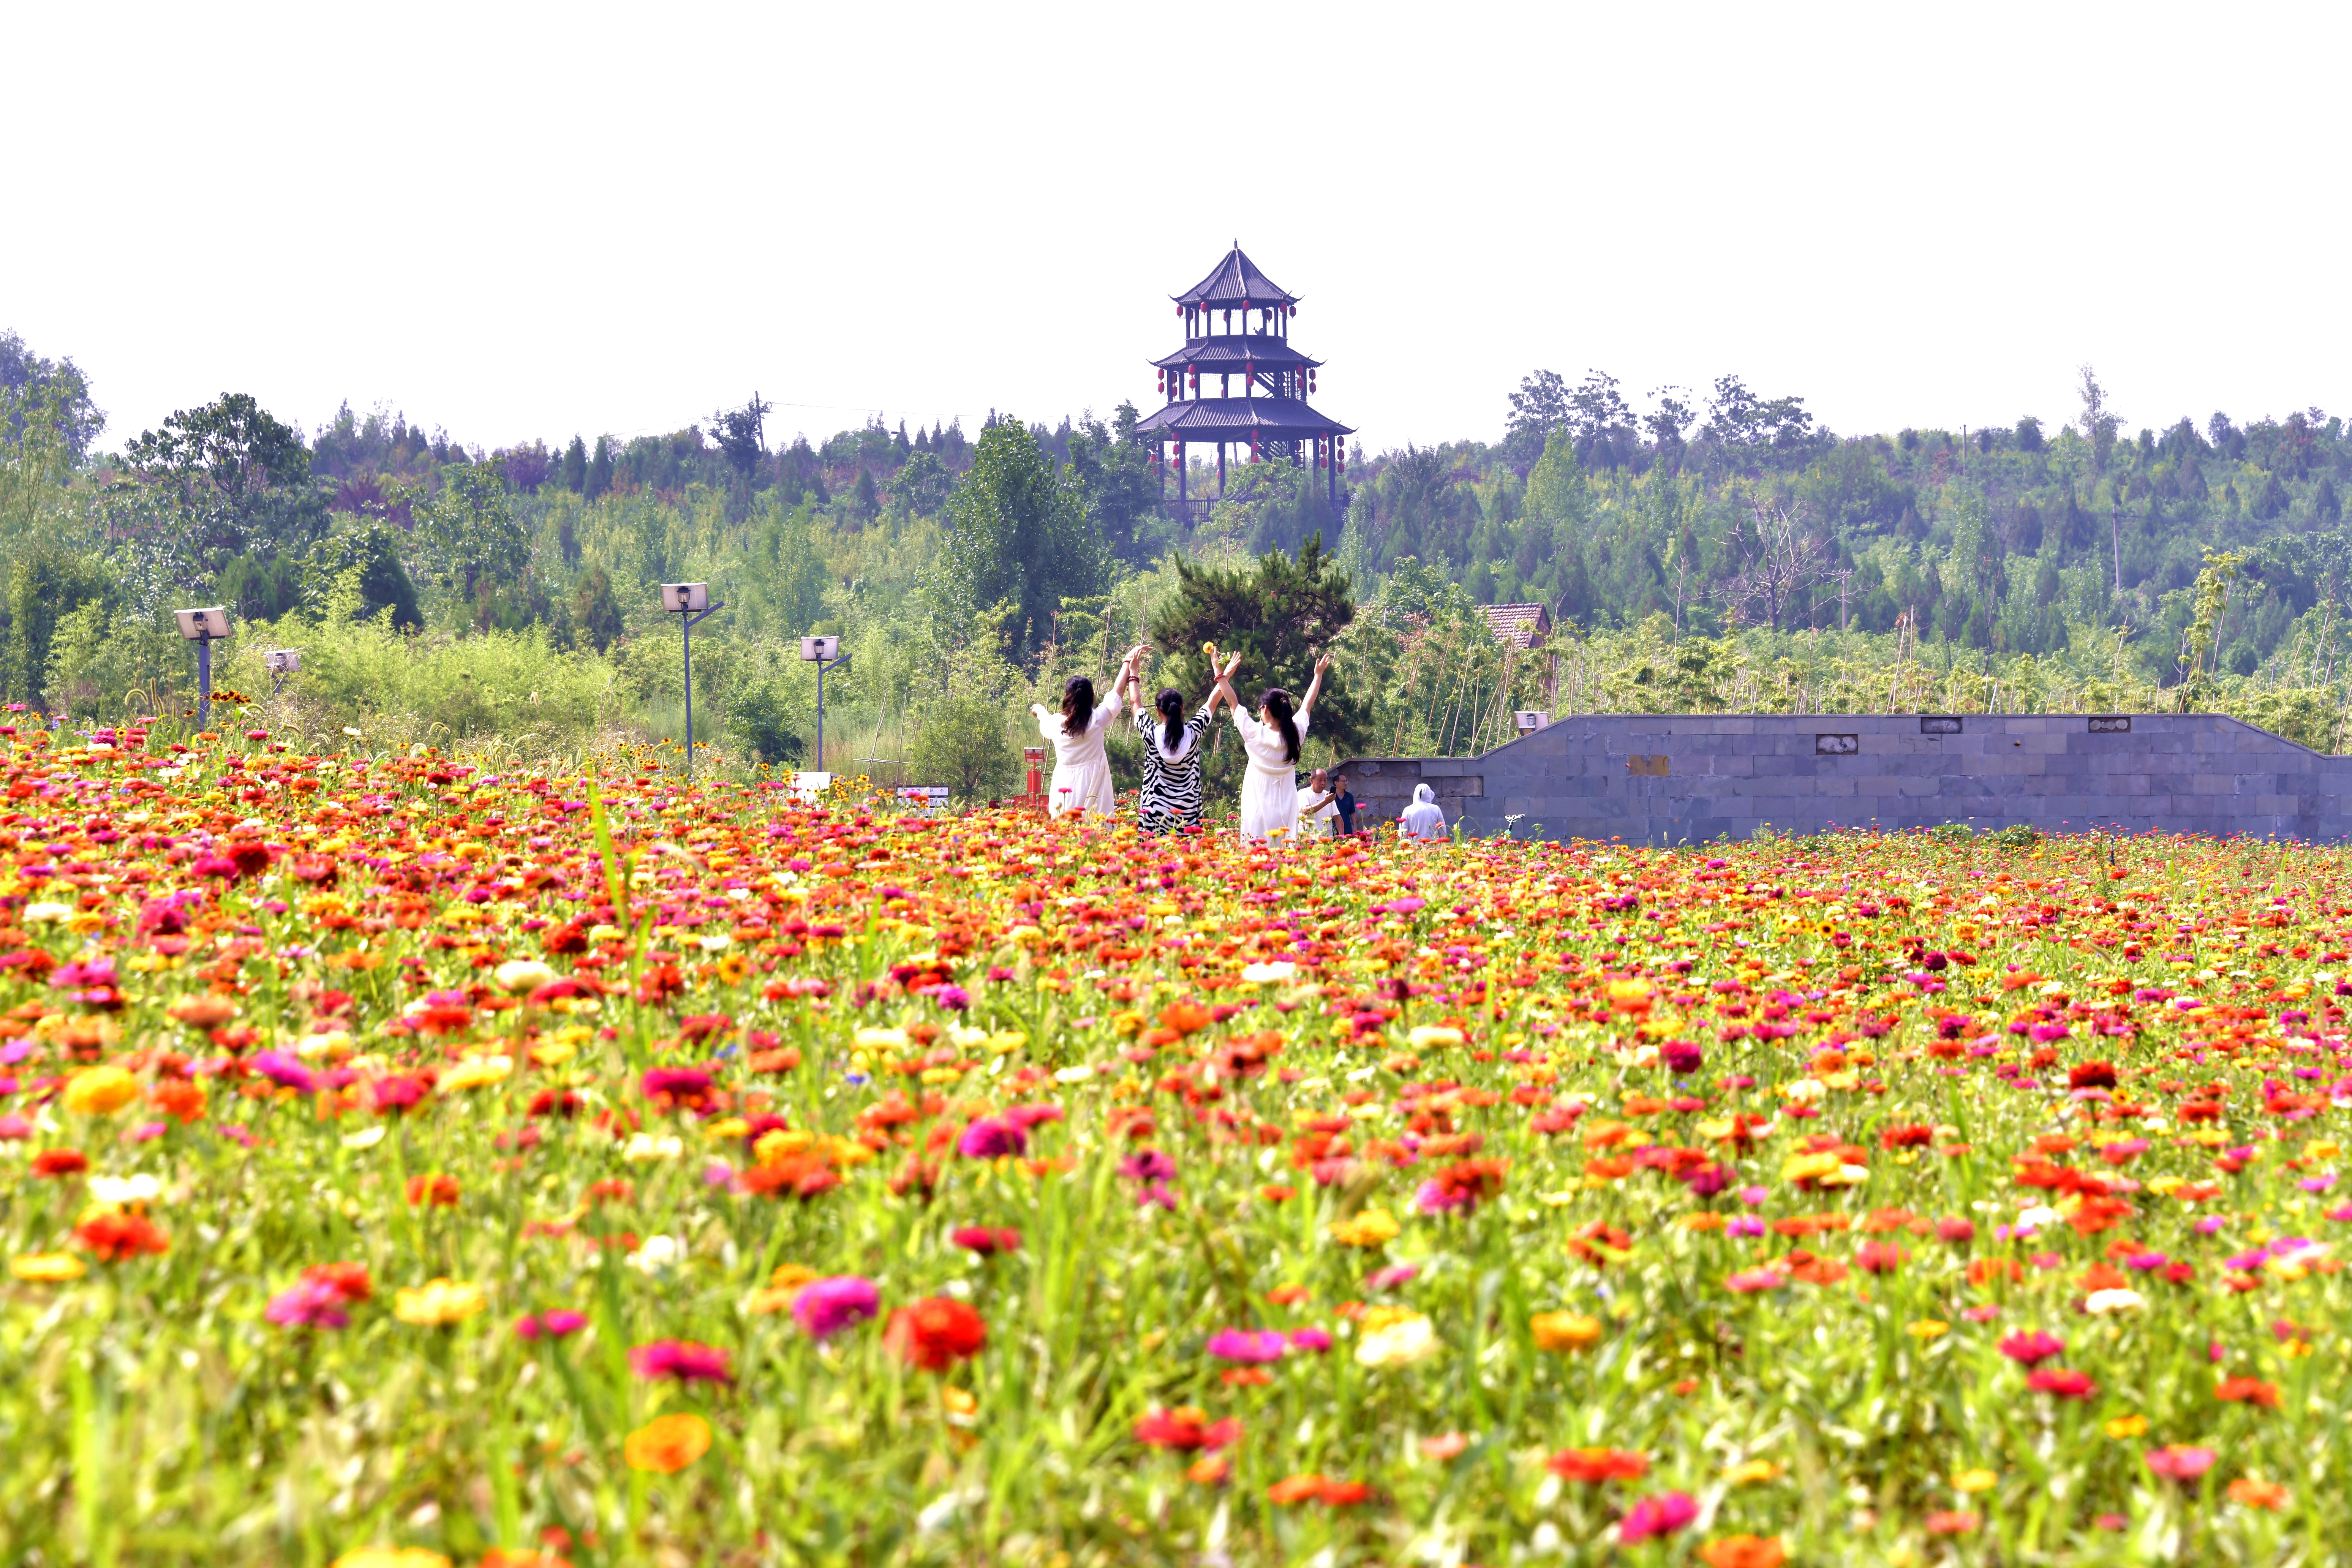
[[1237, 330]]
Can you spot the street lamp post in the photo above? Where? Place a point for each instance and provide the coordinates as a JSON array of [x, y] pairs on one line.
[[281, 662], [690, 602], [203, 627], [824, 653]]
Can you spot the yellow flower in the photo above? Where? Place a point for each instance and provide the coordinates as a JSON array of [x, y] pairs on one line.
[[1974, 1480], [1399, 1344], [47, 1267], [1373, 1228], [391, 1557], [1564, 1330], [100, 1091], [522, 974], [1927, 1329], [783, 1287], [1752, 1472], [475, 1072], [437, 1303], [1426, 1036], [2123, 1427]]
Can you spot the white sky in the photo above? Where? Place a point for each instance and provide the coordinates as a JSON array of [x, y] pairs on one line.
[[522, 221]]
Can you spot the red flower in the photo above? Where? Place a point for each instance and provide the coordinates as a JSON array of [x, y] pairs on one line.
[[1594, 1466], [2063, 1383], [60, 1162], [115, 1237], [434, 1191], [1185, 1429], [984, 1239], [348, 1280], [935, 1333], [1879, 1257]]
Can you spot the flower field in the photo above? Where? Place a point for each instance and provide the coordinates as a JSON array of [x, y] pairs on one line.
[[405, 1165]]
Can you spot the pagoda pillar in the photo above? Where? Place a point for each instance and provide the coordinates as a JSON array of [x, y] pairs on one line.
[[1221, 470]]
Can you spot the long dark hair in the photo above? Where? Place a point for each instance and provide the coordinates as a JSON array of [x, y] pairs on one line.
[[1170, 704], [1276, 702], [1078, 705]]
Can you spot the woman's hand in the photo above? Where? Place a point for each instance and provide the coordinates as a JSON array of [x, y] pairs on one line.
[[1321, 665], [1232, 665]]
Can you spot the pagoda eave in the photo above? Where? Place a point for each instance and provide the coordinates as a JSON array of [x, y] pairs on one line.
[[1235, 418], [1224, 356]]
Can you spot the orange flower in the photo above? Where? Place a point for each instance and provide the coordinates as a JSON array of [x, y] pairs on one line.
[[1317, 1488], [1743, 1552], [667, 1443], [178, 1099], [1594, 1466], [2248, 1391], [2251, 1493]]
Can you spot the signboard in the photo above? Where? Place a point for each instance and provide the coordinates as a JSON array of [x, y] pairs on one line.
[[923, 797], [808, 786]]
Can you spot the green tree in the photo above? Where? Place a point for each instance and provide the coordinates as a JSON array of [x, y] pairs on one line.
[[575, 466], [223, 482], [1113, 470], [1018, 534], [600, 469], [596, 610], [1281, 614], [369, 556], [470, 532], [963, 744], [46, 584]]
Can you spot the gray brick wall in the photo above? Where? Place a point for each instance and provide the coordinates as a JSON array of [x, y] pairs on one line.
[[1726, 775]]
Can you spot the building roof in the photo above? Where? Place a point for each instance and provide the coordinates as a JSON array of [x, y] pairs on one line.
[[1220, 354], [1235, 282], [1517, 626], [1233, 419]]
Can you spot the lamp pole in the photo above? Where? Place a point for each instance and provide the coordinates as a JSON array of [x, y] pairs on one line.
[[204, 681], [686, 623], [824, 652]]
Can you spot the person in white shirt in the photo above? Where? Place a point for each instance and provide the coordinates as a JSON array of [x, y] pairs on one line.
[[1318, 809], [1081, 767], [1271, 740], [1423, 819]]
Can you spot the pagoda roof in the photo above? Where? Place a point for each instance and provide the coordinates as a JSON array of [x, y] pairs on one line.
[[1233, 419], [1220, 354], [1234, 281]]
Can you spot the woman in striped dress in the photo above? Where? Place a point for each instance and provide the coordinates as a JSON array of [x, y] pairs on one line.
[[1171, 799]]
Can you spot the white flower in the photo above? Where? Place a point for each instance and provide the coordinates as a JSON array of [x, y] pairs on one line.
[[1399, 1344], [644, 1146], [2034, 1218], [716, 943], [334, 1042], [123, 1191], [45, 913], [365, 1138], [522, 974], [658, 1254], [2113, 1301], [1074, 1075], [1268, 974]]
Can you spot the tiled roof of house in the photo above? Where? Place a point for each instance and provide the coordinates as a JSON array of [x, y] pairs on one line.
[[1518, 626]]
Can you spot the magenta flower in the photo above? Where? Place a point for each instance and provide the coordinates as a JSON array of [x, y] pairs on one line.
[[1316, 1341], [993, 1137], [986, 1239], [313, 1304], [1394, 1275], [286, 1071], [676, 1083], [557, 1324], [825, 1307], [2177, 1463], [2032, 1347], [1663, 1514], [683, 1360], [1251, 1345]]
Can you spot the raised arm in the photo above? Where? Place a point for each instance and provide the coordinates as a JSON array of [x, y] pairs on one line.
[[1315, 688]]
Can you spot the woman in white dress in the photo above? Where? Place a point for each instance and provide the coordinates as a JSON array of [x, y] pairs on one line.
[[1271, 742], [1081, 767]]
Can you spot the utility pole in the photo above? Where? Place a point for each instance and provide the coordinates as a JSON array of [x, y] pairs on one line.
[[2115, 516]]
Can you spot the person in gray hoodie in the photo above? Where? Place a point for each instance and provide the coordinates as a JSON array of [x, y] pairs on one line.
[[1423, 819]]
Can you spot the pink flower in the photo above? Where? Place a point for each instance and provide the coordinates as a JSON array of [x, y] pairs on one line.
[[2032, 1347], [1315, 1340], [683, 1360], [993, 1137], [560, 1323], [313, 1304], [1247, 1344], [984, 1239], [825, 1307], [1756, 1280], [1660, 1515], [2176, 1463]]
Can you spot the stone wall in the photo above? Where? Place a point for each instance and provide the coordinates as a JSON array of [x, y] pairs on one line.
[[1694, 778]]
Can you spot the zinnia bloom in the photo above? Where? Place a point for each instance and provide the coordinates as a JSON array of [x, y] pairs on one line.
[[667, 1444], [100, 1091], [1564, 1330], [685, 1359], [984, 1240], [2178, 1462], [115, 1237], [1743, 1552], [2032, 1347], [47, 1267], [2063, 1383], [823, 1308], [1398, 1342], [1662, 1514], [1185, 1427], [311, 1304], [438, 1303], [936, 1332], [1591, 1467], [993, 1137], [1247, 1345]]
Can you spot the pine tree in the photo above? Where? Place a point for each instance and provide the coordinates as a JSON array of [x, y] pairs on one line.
[[600, 469], [575, 466]]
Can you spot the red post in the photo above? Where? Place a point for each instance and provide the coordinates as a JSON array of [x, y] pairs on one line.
[[1036, 757]]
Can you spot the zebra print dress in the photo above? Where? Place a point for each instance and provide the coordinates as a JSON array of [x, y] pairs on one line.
[[1169, 800]]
